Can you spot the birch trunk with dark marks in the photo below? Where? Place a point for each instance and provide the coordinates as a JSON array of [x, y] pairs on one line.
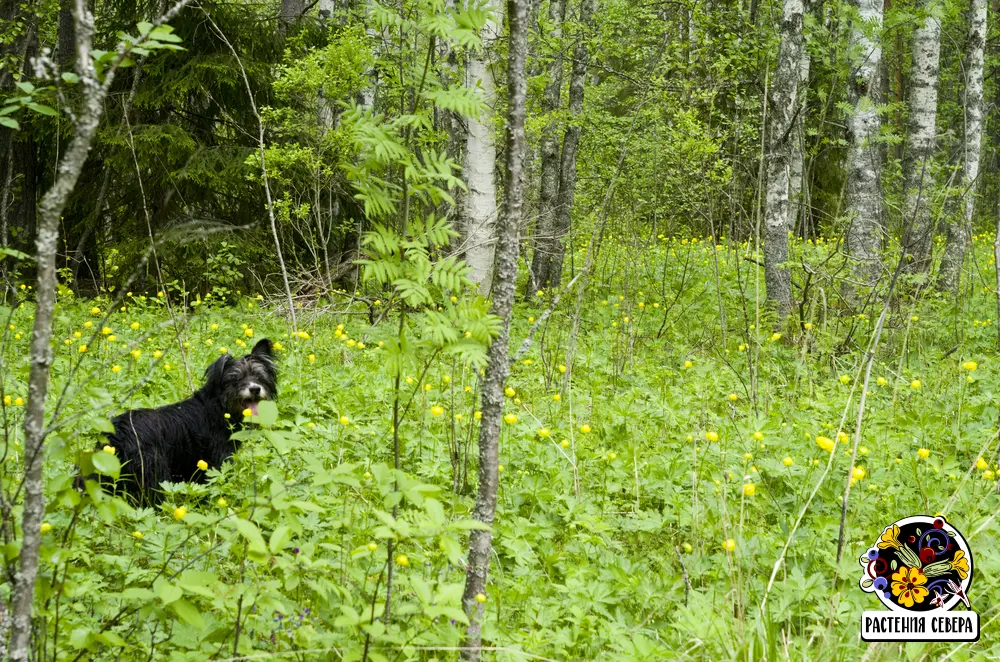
[[548, 190], [863, 199], [50, 210], [781, 111], [480, 213], [797, 187], [571, 143], [918, 164], [498, 366], [290, 12], [959, 231]]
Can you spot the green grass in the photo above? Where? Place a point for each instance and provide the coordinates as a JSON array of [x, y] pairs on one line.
[[643, 466]]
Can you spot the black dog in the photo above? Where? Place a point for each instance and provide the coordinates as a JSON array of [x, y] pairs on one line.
[[166, 444]]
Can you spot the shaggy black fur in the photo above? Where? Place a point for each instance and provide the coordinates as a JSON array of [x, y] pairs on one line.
[[165, 444]]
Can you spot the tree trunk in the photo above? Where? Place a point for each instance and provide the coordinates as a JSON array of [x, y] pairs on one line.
[[797, 187], [548, 191], [960, 231], [571, 142], [919, 159], [291, 11], [863, 199], [480, 165], [66, 44], [498, 366], [781, 111]]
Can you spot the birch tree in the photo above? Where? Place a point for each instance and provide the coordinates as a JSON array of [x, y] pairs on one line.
[[863, 200], [797, 187], [781, 111], [480, 164], [87, 119], [959, 231], [919, 159], [498, 364], [548, 189], [571, 144]]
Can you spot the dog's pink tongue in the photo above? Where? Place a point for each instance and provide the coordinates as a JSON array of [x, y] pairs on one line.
[[253, 408]]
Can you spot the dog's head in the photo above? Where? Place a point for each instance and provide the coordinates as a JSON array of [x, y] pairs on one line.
[[242, 383]]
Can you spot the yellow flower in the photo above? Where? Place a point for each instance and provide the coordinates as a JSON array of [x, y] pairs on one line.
[[480, 598], [914, 319], [203, 465], [825, 443], [742, 347], [729, 544], [226, 416], [214, 327], [136, 353], [427, 387], [543, 432], [45, 527], [881, 381], [180, 512], [712, 436], [970, 365], [437, 410], [915, 384], [248, 333], [134, 325], [311, 357], [556, 397], [83, 349], [459, 417], [509, 392], [446, 379], [987, 475], [858, 473], [733, 397], [758, 435], [749, 489], [923, 453], [223, 350], [157, 354], [585, 428], [960, 564], [106, 331], [95, 311], [478, 415], [77, 334], [109, 449], [889, 538], [842, 437], [845, 379], [612, 456], [19, 401], [500, 468], [688, 364], [6, 400], [278, 347], [808, 326], [222, 503], [403, 560], [908, 586], [982, 464], [372, 547], [112, 338], [510, 419], [562, 368], [137, 535], [775, 337], [344, 420], [788, 461], [564, 443], [351, 343]]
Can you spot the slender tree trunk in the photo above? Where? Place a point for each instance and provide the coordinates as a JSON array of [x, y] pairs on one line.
[[571, 143], [291, 11], [498, 366], [960, 230], [41, 348], [918, 164], [781, 111], [863, 198], [480, 166], [66, 44], [797, 187], [548, 191]]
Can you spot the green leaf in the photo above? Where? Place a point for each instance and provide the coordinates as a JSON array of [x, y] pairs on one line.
[[168, 592], [249, 530], [188, 613], [43, 110], [106, 464], [9, 123], [280, 538], [267, 413]]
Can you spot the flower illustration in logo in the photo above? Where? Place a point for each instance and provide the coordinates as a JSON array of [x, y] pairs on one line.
[[908, 586], [918, 564]]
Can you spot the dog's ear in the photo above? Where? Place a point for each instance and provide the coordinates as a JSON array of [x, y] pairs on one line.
[[264, 348], [214, 374]]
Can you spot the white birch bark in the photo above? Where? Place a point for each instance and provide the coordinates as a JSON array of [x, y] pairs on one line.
[[781, 111], [863, 199], [796, 168], [498, 365], [960, 231], [919, 162], [480, 211]]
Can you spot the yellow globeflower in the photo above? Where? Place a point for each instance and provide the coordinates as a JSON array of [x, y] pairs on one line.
[[858, 473], [825, 443], [7, 400], [881, 381], [845, 379], [478, 415], [585, 428], [758, 435], [180, 512], [556, 397], [749, 489], [915, 384], [480, 598], [970, 365], [775, 337], [248, 333], [510, 419], [203, 465], [712, 436], [344, 420], [729, 544], [923, 453], [109, 450], [45, 527], [562, 368], [372, 547], [688, 364], [247, 413], [134, 325], [788, 461], [543, 432], [982, 464], [437, 410], [137, 535], [19, 401], [733, 397], [509, 392], [403, 560], [83, 349]]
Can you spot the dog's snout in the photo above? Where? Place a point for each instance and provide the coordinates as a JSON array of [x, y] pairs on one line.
[[255, 391]]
